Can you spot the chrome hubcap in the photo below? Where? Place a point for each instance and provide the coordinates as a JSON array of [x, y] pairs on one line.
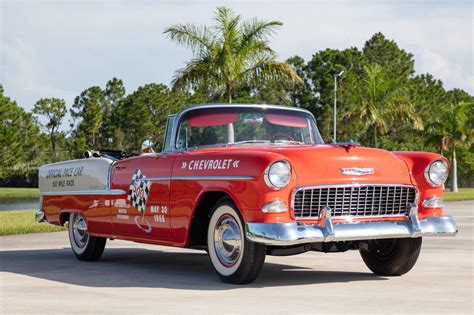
[[227, 240], [79, 230]]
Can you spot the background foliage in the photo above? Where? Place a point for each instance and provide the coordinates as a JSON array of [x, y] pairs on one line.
[[407, 111]]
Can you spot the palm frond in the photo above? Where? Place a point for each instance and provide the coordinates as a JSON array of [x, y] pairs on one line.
[[195, 73], [406, 113], [268, 69], [257, 31], [196, 38]]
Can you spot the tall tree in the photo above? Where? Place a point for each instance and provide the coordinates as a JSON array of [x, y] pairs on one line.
[[114, 92], [452, 128], [142, 115], [89, 109], [54, 110], [21, 143], [398, 63], [229, 54], [384, 102], [319, 76]]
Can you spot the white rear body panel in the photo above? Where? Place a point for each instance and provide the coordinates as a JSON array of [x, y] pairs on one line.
[[75, 175]]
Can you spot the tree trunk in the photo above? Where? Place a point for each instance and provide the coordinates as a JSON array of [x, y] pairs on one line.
[[230, 127], [53, 145], [229, 91], [375, 137], [454, 176]]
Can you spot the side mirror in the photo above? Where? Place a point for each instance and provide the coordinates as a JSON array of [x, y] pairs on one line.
[[147, 147]]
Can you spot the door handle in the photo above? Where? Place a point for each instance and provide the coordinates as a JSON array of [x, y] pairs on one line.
[[120, 167]]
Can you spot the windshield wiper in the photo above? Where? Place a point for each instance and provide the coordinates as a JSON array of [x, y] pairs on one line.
[[207, 146], [289, 141], [251, 141]]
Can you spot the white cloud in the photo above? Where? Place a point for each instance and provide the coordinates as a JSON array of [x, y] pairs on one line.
[[452, 74], [25, 75]]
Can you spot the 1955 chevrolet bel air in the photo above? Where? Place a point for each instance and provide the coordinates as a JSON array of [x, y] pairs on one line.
[[243, 181]]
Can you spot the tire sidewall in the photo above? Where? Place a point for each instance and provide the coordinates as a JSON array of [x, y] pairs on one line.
[[76, 249], [224, 208], [401, 260]]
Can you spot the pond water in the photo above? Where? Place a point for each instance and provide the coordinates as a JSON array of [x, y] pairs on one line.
[[19, 204]]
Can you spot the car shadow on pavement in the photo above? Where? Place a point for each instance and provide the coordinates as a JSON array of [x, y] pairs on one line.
[[129, 267]]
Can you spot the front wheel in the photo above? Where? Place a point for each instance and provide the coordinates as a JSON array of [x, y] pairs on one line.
[[234, 258], [84, 246], [392, 257]]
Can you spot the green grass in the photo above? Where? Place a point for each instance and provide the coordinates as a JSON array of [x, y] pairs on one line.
[[23, 222], [463, 194], [18, 193]]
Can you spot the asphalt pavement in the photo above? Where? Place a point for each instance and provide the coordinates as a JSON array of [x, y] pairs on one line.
[[39, 274]]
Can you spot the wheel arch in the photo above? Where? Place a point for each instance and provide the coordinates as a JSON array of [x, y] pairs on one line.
[[65, 213], [197, 232]]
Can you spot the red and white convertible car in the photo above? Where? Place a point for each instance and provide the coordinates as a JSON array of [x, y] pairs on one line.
[[243, 181]]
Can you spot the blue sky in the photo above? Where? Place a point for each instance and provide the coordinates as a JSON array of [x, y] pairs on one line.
[[59, 48]]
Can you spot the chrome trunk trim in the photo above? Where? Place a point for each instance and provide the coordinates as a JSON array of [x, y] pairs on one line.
[[84, 192]]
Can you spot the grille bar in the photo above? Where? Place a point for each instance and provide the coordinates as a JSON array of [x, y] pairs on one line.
[[353, 200]]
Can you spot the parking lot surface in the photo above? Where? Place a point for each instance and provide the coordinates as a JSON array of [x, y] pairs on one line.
[[39, 274]]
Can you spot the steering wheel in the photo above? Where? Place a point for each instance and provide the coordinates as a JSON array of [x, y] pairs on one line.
[[281, 134]]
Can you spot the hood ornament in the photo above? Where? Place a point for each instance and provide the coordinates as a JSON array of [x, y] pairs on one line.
[[357, 171], [346, 145]]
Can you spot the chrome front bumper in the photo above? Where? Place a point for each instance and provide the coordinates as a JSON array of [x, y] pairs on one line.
[[293, 233]]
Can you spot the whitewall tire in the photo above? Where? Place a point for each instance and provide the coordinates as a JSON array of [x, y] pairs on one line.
[[234, 258], [84, 246]]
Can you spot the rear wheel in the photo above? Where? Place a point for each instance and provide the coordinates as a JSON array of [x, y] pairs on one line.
[[392, 257], [84, 246], [234, 258]]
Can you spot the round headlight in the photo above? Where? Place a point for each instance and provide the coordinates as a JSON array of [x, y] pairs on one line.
[[278, 174], [436, 173]]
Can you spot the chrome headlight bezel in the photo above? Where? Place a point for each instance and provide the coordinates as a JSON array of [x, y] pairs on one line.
[[268, 175], [429, 172]]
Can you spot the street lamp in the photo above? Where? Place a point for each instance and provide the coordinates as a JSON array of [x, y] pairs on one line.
[[337, 75]]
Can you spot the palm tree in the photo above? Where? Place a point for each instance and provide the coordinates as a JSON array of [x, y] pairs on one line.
[[449, 130], [229, 53], [384, 102]]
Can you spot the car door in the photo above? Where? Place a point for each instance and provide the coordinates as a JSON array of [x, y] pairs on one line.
[[143, 210]]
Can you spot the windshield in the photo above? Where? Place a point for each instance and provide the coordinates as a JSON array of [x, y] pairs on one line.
[[239, 126]]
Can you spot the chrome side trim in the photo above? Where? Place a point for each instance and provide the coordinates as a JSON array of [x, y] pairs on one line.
[[354, 184], [84, 192], [293, 233], [154, 179], [212, 177], [217, 177]]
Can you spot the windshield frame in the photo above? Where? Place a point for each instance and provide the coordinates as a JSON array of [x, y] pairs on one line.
[[179, 117]]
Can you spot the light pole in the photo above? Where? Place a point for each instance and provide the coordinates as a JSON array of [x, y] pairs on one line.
[[337, 75]]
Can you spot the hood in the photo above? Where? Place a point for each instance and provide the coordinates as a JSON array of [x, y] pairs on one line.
[[323, 164]]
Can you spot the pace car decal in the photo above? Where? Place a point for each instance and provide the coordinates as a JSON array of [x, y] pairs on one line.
[[218, 164], [138, 197]]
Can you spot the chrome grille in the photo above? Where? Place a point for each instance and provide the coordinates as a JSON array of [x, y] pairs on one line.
[[353, 200]]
